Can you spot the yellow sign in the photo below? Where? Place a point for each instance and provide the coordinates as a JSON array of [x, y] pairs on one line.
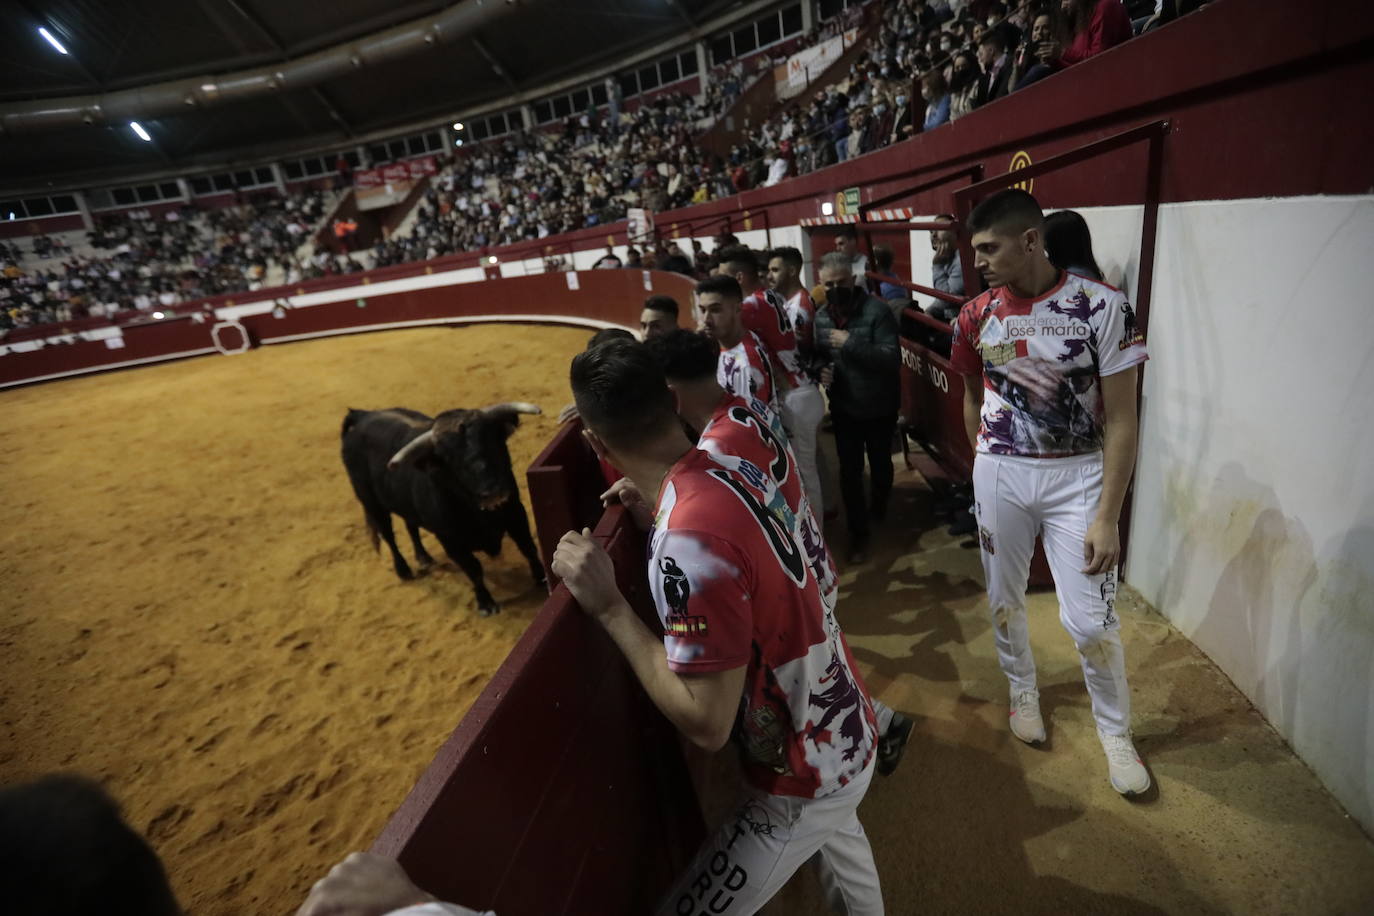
[[1019, 160]]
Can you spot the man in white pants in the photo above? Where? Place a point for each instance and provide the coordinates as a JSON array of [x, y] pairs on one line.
[[1049, 361], [803, 407]]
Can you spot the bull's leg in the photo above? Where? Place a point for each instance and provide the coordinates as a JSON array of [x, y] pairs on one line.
[[382, 522], [518, 526], [486, 604], [421, 555]]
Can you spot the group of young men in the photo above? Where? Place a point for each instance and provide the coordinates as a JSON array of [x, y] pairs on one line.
[[714, 432]]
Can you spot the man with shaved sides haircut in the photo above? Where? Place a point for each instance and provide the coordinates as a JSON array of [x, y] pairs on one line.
[[802, 406], [751, 649], [1049, 360]]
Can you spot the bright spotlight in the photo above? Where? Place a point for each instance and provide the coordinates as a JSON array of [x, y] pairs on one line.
[[457, 125], [827, 208], [52, 41], [491, 259], [159, 315], [458, 142], [138, 129]]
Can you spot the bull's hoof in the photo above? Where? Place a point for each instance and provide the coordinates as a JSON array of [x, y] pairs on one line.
[[486, 610], [404, 573], [424, 564]]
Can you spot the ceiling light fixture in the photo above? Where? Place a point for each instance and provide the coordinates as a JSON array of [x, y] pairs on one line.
[[52, 41], [138, 129]]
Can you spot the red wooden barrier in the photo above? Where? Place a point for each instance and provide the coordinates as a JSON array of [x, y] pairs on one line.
[[563, 790], [565, 482]]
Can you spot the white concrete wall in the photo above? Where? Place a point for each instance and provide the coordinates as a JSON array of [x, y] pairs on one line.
[[1253, 527]]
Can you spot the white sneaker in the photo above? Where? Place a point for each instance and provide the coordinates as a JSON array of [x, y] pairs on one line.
[[1129, 776], [1026, 723]]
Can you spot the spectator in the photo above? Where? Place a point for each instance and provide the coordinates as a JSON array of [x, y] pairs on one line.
[[935, 90], [903, 122], [608, 261], [1091, 27], [882, 266], [995, 64], [856, 336], [847, 243], [947, 270], [966, 86], [1069, 244], [1034, 60]]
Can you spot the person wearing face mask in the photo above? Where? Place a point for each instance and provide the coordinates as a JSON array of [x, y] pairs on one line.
[[901, 127], [856, 340], [966, 86]]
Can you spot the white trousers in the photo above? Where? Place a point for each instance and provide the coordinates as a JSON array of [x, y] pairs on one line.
[[802, 412], [1016, 499], [766, 840]]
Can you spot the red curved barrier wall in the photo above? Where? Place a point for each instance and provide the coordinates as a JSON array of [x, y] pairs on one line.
[[608, 296]]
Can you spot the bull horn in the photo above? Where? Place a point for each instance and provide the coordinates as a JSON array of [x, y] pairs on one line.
[[420, 443], [512, 407]]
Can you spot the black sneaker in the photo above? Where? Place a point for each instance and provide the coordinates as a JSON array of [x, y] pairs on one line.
[[964, 524], [893, 743]]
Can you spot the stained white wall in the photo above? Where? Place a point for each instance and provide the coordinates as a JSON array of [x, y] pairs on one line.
[[1253, 527]]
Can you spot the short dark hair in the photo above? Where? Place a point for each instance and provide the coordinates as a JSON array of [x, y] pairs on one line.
[[994, 37], [621, 393], [67, 839], [1069, 243], [724, 285], [606, 335], [685, 356], [665, 304], [790, 256], [848, 232], [1013, 210], [883, 256], [739, 258]]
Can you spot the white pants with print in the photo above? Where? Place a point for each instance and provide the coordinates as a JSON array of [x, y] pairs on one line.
[[1016, 499], [763, 844], [802, 412]]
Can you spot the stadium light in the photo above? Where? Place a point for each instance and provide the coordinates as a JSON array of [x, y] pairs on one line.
[[52, 41], [458, 142], [159, 315], [827, 208], [457, 125], [142, 134], [491, 259]]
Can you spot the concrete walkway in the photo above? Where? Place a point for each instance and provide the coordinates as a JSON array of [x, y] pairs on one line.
[[974, 821]]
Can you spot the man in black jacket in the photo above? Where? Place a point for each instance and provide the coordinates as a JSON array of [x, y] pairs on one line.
[[856, 339]]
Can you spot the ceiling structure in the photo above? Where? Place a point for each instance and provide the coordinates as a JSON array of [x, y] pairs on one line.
[[115, 46]]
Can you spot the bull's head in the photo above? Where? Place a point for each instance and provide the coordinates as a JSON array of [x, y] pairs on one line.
[[470, 447]]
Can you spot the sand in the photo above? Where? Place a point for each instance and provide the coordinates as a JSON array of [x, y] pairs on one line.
[[190, 610]]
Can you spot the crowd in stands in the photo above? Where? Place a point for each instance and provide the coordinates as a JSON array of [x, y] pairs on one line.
[[958, 54], [141, 261]]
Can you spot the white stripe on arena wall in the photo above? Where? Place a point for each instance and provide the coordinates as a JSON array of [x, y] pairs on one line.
[[459, 319], [348, 293]]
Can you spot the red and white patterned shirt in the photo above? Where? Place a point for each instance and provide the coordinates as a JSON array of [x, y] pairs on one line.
[[765, 314], [1042, 362], [733, 589], [746, 370]]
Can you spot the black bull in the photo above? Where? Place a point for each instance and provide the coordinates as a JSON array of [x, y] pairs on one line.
[[450, 475]]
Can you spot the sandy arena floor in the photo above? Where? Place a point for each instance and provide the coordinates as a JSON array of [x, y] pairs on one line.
[[190, 610]]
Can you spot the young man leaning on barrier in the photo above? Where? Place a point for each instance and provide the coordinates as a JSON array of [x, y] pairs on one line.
[[751, 649]]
